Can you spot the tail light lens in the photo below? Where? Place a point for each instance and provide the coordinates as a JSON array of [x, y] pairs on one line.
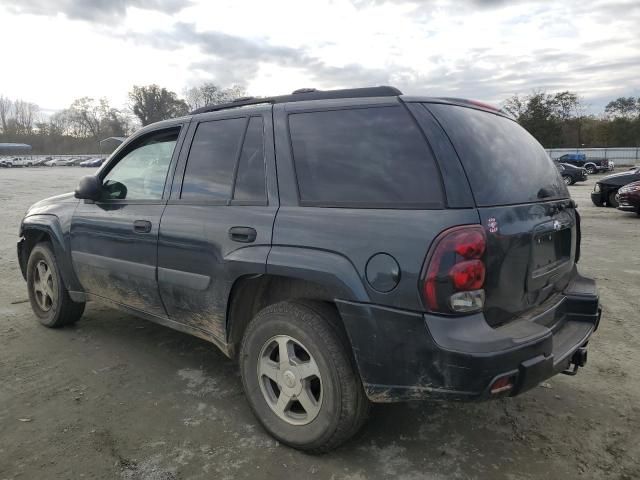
[[455, 271]]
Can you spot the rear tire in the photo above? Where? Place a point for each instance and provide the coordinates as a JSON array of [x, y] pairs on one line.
[[313, 399], [612, 201], [49, 297], [590, 168]]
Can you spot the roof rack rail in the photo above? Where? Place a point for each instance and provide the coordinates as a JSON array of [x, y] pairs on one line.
[[305, 94], [305, 90]]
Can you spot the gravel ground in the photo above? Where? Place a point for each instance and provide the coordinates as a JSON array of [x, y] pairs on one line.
[[118, 397]]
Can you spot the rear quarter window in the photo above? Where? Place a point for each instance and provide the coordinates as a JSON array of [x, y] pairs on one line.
[[505, 165], [365, 157]]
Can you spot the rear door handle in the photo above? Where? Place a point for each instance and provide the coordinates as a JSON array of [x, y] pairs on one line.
[[243, 234], [142, 226]]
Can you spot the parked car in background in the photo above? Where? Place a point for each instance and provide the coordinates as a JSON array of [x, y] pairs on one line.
[[39, 162], [16, 162], [59, 162], [22, 162], [605, 190], [74, 161], [92, 162], [570, 173], [629, 198], [592, 165]]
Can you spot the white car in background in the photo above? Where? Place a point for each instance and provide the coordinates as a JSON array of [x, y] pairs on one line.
[[58, 162], [16, 162]]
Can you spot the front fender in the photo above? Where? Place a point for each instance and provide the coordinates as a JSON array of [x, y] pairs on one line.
[[32, 229], [332, 271]]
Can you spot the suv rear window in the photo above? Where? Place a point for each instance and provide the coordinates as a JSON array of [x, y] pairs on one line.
[[504, 163], [366, 157]]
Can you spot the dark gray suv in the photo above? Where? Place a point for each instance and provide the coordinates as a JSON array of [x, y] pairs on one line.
[[347, 246]]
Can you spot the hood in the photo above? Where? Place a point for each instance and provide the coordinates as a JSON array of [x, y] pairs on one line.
[[44, 205], [622, 177], [632, 184], [568, 166]]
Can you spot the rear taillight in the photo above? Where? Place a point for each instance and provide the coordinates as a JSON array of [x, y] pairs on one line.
[[455, 271]]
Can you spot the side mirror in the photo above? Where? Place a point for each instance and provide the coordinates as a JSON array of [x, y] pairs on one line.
[[89, 188]]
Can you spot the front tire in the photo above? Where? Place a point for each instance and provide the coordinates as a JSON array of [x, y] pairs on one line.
[[612, 201], [48, 296], [568, 179], [299, 378]]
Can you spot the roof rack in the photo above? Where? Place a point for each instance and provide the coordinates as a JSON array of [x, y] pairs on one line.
[[303, 94]]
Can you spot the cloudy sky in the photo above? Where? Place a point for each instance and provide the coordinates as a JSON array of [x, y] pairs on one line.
[[56, 50]]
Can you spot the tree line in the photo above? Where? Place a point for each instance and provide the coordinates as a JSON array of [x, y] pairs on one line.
[[80, 127], [557, 120]]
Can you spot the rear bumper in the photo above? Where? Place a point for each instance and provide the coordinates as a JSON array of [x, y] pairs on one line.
[[406, 355]]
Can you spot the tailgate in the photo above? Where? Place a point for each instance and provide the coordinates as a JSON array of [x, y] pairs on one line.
[[531, 251]]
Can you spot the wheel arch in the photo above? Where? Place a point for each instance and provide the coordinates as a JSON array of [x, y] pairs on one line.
[[47, 227], [252, 293], [590, 164]]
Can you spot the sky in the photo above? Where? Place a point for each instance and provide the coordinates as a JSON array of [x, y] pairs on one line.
[[56, 51]]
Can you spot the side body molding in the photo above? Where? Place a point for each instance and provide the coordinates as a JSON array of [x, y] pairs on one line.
[[332, 271]]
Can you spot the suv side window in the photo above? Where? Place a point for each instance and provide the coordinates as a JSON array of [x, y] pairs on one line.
[[250, 179], [212, 159], [363, 157], [141, 173]]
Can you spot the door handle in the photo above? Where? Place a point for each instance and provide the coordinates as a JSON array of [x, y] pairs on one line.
[[142, 226], [243, 234]]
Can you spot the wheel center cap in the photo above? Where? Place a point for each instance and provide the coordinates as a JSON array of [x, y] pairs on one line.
[[289, 378]]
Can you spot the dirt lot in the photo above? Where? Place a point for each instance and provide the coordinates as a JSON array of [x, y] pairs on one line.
[[117, 397]]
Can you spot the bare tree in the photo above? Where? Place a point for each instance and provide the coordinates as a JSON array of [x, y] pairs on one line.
[[85, 112], [25, 116], [60, 124], [210, 94], [515, 106], [6, 107]]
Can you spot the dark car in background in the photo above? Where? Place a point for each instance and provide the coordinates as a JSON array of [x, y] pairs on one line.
[[570, 173], [606, 189], [346, 247], [92, 162], [591, 165], [629, 198]]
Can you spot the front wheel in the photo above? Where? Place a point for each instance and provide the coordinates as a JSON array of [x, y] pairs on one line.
[[299, 378], [568, 179], [612, 200], [48, 296]]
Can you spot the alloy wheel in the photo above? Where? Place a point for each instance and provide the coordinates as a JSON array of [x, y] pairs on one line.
[[290, 380], [44, 286]]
